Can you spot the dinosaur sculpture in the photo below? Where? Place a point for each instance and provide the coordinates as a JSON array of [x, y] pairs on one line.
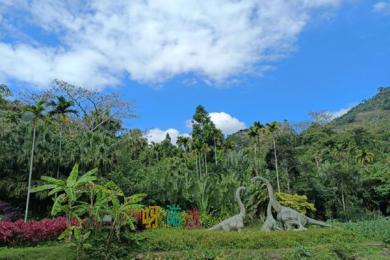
[[235, 222], [289, 217], [270, 223]]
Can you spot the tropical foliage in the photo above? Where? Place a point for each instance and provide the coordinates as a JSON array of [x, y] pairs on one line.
[[85, 204], [343, 171]]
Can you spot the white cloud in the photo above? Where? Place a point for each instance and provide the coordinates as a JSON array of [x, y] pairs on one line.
[[382, 7], [223, 121], [102, 41], [226, 123], [335, 114], [157, 135]]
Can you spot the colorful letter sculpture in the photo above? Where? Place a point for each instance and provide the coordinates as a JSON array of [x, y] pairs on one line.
[[173, 216], [192, 219], [150, 216]]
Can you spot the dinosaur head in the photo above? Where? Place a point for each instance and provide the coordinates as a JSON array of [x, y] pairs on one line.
[[239, 189], [259, 178]]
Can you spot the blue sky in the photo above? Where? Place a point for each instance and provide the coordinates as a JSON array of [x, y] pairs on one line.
[[282, 62]]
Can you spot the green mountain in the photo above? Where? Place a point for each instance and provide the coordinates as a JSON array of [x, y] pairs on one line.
[[370, 113], [373, 113]]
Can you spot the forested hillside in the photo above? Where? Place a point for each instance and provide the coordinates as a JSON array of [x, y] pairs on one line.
[[371, 113], [344, 174]]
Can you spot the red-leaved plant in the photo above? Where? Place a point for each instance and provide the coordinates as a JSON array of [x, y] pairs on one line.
[[31, 232]]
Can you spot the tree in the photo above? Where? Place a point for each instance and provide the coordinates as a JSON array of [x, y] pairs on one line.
[[376, 180], [4, 91], [98, 111], [287, 160], [204, 131], [273, 129], [183, 142], [255, 132], [61, 108], [33, 114], [321, 117]]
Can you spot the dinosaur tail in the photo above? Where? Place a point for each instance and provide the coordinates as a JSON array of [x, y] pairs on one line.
[[275, 204], [317, 222], [240, 204], [216, 227]]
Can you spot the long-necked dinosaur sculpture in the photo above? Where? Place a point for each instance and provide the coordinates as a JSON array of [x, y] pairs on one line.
[[236, 222], [289, 217], [270, 223]]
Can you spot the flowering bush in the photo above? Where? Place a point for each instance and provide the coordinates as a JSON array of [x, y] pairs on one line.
[[31, 232]]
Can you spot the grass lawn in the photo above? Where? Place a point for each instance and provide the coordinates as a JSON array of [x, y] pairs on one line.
[[56, 251], [315, 243]]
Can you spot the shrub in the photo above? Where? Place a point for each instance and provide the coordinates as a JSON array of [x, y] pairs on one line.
[[295, 201], [31, 232]]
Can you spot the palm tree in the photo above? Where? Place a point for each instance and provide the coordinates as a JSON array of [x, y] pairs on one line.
[[33, 114], [61, 108], [272, 129], [255, 132], [183, 142], [364, 157], [204, 150]]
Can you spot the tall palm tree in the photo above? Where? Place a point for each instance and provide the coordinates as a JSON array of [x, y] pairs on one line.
[[273, 128], [32, 114], [61, 108], [255, 132]]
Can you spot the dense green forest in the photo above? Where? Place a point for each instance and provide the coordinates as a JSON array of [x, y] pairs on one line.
[[342, 166]]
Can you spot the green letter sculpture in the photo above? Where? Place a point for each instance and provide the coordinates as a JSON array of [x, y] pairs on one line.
[[173, 215]]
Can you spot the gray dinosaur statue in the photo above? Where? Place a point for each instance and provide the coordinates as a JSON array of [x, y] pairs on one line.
[[236, 222], [289, 217], [270, 223]]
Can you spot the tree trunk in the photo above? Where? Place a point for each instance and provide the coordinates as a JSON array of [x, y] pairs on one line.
[[205, 162], [59, 156], [59, 159], [288, 180], [197, 165], [30, 175], [276, 165], [215, 152], [255, 158], [343, 199]]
